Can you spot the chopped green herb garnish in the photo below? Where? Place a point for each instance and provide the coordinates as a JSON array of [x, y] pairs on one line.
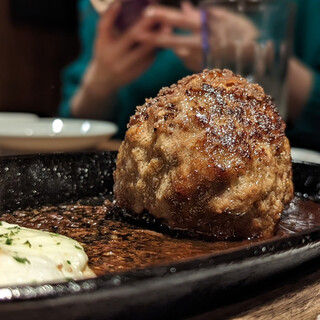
[[58, 243], [9, 242], [13, 233], [54, 235], [68, 262], [0, 223], [5, 234], [40, 245], [16, 227], [28, 243], [77, 247], [22, 260]]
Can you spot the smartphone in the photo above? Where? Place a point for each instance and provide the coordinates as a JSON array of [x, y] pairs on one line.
[[131, 11]]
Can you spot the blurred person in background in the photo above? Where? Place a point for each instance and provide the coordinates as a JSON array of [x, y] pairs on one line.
[[117, 71]]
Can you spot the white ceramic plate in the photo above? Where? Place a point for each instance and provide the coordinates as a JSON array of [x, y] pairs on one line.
[[305, 155], [54, 135], [17, 117]]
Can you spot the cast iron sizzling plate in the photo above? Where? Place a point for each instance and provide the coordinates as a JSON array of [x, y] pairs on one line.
[[168, 291]]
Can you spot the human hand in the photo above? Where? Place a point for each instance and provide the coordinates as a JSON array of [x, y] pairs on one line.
[[118, 57], [226, 28], [225, 24], [101, 5], [187, 46], [230, 35]]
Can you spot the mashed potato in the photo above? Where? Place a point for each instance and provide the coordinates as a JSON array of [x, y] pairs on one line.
[[31, 256]]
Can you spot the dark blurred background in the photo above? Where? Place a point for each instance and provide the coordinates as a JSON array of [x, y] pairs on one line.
[[38, 39]]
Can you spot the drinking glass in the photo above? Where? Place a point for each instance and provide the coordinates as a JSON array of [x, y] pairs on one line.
[[252, 38]]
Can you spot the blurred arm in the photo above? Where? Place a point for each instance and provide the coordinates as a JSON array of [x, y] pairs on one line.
[[300, 81], [118, 59], [91, 100]]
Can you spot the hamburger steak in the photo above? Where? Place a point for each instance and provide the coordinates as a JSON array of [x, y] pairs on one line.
[[208, 155]]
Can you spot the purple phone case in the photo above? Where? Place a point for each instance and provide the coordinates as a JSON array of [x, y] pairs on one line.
[[130, 12]]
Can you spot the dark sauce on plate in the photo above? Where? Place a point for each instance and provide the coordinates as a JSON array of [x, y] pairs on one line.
[[113, 244]]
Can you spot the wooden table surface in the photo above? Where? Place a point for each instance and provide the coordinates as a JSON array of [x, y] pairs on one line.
[[109, 145], [296, 298]]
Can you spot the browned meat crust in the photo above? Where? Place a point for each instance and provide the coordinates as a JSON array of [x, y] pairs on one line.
[[210, 155]]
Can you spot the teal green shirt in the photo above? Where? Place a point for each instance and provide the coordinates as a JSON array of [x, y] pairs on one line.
[[168, 69], [306, 132]]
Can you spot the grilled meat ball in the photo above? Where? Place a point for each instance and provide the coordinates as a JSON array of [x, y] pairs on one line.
[[208, 155]]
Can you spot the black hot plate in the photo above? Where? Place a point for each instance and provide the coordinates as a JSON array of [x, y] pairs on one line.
[[172, 291]]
